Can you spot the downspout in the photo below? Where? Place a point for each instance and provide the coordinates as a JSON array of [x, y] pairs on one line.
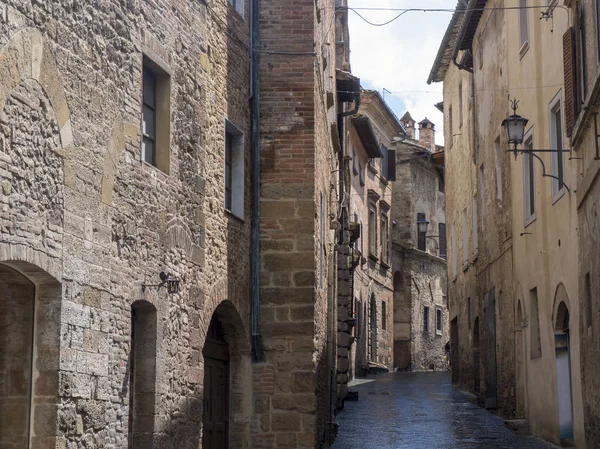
[[256, 338]]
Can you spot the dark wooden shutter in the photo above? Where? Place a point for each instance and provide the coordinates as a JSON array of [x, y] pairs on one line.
[[421, 236], [570, 66], [442, 233], [384, 162], [391, 169]]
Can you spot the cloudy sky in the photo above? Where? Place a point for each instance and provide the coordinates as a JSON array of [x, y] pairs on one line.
[[399, 56]]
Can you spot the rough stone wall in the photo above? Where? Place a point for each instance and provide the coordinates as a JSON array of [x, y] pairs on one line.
[[296, 243], [423, 274], [79, 204]]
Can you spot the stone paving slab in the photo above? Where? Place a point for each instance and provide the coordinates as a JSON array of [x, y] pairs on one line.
[[422, 410]]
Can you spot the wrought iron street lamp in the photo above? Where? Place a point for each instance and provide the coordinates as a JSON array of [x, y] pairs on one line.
[[422, 226], [515, 126]]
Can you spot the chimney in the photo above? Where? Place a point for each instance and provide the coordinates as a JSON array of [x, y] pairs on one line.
[[409, 124], [427, 134]]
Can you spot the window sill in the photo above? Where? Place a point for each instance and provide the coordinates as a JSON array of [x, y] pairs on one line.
[[373, 257], [523, 50], [146, 166], [439, 334], [234, 216], [372, 169], [558, 195], [384, 265], [529, 220], [354, 171]]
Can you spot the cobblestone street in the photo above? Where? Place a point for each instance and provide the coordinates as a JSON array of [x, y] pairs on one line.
[[422, 410]]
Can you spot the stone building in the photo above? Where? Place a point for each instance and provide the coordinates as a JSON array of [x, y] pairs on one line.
[[581, 101], [513, 338], [372, 174], [168, 260], [421, 326]]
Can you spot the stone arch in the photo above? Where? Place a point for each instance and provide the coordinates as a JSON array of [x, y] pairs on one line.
[[30, 322], [560, 314], [27, 56], [238, 364]]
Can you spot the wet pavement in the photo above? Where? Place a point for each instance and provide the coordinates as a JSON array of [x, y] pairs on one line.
[[422, 410]]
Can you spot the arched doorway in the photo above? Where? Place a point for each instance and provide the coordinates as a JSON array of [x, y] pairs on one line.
[[29, 353], [563, 367], [476, 358], [216, 388], [402, 325], [227, 387], [520, 362]]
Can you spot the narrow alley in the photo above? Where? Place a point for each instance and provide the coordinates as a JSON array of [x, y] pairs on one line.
[[422, 410]]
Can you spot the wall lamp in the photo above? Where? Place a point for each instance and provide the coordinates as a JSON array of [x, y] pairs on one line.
[[422, 227], [515, 133], [167, 280]]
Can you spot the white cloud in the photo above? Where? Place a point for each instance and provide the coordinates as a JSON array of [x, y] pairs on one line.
[[399, 56]]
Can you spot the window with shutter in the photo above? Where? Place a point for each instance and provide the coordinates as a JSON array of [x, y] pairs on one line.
[[391, 162], [570, 81], [421, 236], [443, 245]]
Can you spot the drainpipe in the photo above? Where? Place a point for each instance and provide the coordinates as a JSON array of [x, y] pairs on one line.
[[256, 338]]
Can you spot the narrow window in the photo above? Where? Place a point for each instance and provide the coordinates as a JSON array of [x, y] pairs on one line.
[[238, 5], [361, 238], [421, 236], [156, 115], [450, 131], [529, 182], [454, 253], [439, 321], [384, 238], [443, 243], [556, 142], [475, 228], [460, 104], [535, 340], [321, 238], [441, 184], [465, 237], [482, 195], [142, 374], [372, 231], [588, 299], [426, 319], [234, 170], [356, 221], [523, 23], [383, 315], [360, 175], [469, 311], [499, 157], [354, 170]]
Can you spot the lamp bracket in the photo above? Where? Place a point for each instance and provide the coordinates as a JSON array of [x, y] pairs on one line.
[[516, 151], [166, 280]]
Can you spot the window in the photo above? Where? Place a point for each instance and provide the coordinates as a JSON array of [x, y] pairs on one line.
[[523, 24], [529, 182], [361, 237], [372, 162], [238, 5], [354, 170], [443, 243], [441, 184], [373, 231], [234, 170], [439, 321], [536, 343], [421, 236], [356, 221], [388, 164], [383, 315], [426, 319], [482, 195], [469, 311], [474, 228], [321, 238], [556, 142], [454, 253], [450, 131], [156, 116], [588, 299], [142, 373], [465, 237], [460, 104], [499, 157], [360, 175], [384, 238]]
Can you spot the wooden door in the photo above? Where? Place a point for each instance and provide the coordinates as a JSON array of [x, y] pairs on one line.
[[491, 372], [216, 390]]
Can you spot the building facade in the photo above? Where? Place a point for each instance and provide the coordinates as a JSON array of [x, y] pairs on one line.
[[169, 262], [518, 348], [370, 208], [421, 326]]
